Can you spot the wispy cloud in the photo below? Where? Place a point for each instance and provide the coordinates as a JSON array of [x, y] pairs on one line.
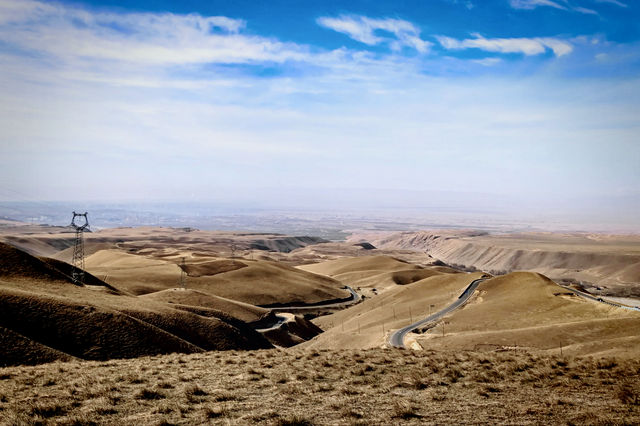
[[585, 10], [487, 62], [526, 46], [559, 4], [616, 2], [148, 38], [366, 30], [532, 4]]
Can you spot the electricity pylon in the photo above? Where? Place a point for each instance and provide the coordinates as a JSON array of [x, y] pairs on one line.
[[183, 274], [77, 274]]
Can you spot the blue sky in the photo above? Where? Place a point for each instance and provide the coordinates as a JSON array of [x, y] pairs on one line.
[[290, 103]]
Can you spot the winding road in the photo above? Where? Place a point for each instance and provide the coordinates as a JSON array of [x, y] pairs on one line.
[[396, 339], [355, 298], [598, 298]]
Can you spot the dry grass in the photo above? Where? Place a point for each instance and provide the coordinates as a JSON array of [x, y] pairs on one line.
[[298, 387]]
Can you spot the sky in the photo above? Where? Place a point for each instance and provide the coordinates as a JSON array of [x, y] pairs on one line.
[[522, 104]]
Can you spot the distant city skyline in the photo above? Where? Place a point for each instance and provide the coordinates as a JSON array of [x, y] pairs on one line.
[[514, 106]]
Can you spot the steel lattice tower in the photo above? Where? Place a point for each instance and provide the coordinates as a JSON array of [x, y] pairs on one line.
[[183, 274], [77, 274]]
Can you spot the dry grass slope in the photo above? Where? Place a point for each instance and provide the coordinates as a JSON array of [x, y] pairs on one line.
[[527, 309], [310, 387], [46, 317]]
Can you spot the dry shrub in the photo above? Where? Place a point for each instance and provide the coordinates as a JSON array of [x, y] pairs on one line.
[[105, 411], [281, 378], [439, 396], [493, 389], [454, 374], [353, 413], [628, 395], [164, 409], [217, 412], [414, 380], [80, 420], [324, 387], [404, 410], [150, 394], [195, 390], [135, 379], [606, 364], [222, 396], [47, 410], [295, 420], [195, 394]]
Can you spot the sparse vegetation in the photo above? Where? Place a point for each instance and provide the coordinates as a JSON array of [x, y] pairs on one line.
[[327, 387]]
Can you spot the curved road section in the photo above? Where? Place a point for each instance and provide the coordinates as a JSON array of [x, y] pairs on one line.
[[355, 298], [599, 299], [397, 338]]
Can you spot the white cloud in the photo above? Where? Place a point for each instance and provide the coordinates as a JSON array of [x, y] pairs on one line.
[[559, 4], [616, 2], [487, 62], [526, 46], [532, 4], [363, 29], [585, 10], [142, 38]]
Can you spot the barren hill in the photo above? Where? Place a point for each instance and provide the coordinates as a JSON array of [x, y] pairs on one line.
[[256, 282], [528, 310], [608, 262], [244, 311], [44, 316]]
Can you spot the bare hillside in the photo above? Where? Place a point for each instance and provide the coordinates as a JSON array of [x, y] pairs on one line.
[[526, 309], [609, 264], [44, 316]]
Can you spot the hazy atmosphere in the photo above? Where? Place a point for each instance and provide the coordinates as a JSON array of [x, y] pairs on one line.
[[518, 108]]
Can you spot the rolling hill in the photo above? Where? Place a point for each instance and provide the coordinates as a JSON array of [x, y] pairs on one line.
[[44, 316]]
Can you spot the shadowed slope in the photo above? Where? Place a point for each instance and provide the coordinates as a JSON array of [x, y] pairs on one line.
[[189, 297], [46, 317], [17, 349], [87, 332], [15, 263]]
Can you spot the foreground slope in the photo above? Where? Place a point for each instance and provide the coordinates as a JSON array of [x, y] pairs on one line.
[[346, 387]]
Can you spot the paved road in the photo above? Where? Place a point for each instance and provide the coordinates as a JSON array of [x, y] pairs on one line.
[[397, 338], [355, 298], [279, 321], [598, 299]]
